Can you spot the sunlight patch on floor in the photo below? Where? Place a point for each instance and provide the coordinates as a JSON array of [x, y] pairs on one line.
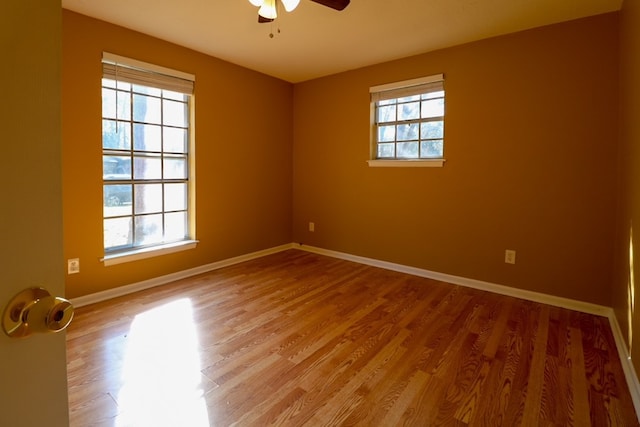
[[161, 372]]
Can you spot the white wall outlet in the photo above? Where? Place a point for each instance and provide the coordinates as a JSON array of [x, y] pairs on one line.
[[312, 227], [73, 266], [510, 256]]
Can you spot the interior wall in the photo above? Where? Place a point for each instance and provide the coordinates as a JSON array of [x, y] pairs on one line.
[[243, 137], [627, 269], [530, 163]]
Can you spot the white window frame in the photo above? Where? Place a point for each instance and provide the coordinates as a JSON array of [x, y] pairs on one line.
[[422, 85], [127, 70]]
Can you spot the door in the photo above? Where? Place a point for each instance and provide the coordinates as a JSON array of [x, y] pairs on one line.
[[33, 388]]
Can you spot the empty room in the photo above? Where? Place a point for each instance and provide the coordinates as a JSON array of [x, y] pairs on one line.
[[321, 212]]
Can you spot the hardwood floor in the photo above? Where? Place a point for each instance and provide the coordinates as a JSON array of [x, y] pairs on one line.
[[301, 339]]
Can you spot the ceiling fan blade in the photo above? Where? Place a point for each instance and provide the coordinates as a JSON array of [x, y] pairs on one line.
[[334, 4], [263, 20]]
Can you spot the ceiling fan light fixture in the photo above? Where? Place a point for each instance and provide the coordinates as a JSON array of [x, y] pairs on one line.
[[290, 5], [257, 3], [268, 9]]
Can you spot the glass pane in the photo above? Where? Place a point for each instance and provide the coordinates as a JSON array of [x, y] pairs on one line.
[[432, 130], [117, 232], [146, 109], [112, 84], [387, 101], [408, 132], [433, 108], [431, 149], [109, 104], [176, 96], [386, 151], [174, 113], [386, 133], [148, 198], [387, 114], [147, 90], [147, 167], [175, 140], [116, 135], [175, 168], [409, 111], [409, 98], [407, 150], [175, 197], [147, 137], [148, 229], [175, 224], [108, 83], [116, 167], [431, 95], [117, 199]]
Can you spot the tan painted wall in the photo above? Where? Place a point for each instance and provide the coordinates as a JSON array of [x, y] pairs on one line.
[[628, 268], [530, 143], [531, 120], [243, 145]]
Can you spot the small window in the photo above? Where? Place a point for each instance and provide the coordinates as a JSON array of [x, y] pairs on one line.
[[146, 159], [408, 122]]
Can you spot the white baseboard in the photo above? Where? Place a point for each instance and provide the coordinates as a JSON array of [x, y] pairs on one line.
[[625, 359], [584, 307], [163, 280], [581, 306]]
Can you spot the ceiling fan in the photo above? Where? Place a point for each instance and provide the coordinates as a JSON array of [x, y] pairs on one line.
[[268, 11]]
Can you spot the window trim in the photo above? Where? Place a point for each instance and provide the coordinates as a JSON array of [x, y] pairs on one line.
[[406, 163], [148, 252], [398, 90]]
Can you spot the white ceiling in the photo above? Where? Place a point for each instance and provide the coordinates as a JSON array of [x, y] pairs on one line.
[[316, 41]]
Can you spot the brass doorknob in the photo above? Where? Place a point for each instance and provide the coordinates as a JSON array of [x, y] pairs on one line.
[[35, 310]]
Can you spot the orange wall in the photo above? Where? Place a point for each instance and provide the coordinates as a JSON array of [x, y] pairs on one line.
[[531, 121], [627, 268], [530, 143], [243, 140]]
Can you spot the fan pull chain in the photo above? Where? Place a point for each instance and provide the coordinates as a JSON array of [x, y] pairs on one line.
[[271, 35]]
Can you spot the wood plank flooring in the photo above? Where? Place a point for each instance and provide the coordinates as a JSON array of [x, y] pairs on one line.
[[301, 339]]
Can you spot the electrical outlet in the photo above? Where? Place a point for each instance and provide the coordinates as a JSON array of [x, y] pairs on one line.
[[73, 266], [510, 256], [312, 227]]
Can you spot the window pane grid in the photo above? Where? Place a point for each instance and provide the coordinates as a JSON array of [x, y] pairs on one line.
[[410, 127], [137, 167]]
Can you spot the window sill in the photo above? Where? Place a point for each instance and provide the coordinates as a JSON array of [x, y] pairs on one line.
[[422, 163], [137, 254]]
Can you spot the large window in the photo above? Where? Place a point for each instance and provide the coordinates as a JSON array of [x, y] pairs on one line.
[[146, 138], [408, 120]]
